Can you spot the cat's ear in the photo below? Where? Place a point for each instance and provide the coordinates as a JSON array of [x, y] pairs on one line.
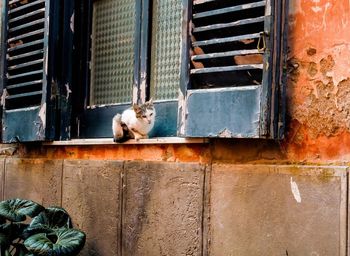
[[150, 102], [135, 107]]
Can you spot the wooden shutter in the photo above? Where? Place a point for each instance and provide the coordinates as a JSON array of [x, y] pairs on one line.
[[29, 80], [232, 84]]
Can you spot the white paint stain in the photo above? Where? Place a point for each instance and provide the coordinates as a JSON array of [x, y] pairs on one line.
[[327, 6], [69, 91], [42, 115], [295, 190]]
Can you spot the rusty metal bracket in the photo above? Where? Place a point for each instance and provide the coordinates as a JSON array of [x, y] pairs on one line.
[[261, 46]]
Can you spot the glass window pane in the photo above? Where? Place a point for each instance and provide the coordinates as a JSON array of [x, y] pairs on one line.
[[166, 49], [112, 51]]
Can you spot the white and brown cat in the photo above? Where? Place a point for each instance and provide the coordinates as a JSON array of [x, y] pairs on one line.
[[134, 123]]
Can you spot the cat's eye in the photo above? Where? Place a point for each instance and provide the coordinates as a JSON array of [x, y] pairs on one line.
[[144, 116], [151, 114]]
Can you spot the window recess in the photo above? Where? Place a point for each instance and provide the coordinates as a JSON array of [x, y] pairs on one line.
[[129, 51], [29, 83], [232, 84]]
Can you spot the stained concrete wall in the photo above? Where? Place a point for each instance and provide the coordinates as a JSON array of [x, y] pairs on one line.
[[157, 208]]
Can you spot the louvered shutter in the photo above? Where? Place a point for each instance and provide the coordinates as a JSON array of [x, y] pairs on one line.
[[29, 82], [233, 79]]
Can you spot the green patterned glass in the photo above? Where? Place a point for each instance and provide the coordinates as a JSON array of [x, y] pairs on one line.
[[166, 49], [112, 51]]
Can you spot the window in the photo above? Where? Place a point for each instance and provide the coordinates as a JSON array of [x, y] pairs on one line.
[[214, 68], [234, 79]]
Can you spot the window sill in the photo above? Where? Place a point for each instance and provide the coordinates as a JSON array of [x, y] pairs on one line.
[[109, 141]]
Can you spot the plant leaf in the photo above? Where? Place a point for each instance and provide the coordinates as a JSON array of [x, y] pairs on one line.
[[21, 250], [13, 230], [4, 241], [17, 209], [63, 242], [49, 219]]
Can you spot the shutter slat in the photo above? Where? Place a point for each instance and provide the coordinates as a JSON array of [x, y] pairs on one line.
[[223, 54], [25, 55], [24, 84], [27, 64], [27, 15], [14, 48], [14, 2], [229, 25], [197, 2], [37, 72], [228, 10], [25, 6], [226, 69], [27, 25], [226, 39], [22, 36], [23, 95]]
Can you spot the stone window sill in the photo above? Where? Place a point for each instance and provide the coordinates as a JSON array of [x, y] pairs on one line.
[[109, 141]]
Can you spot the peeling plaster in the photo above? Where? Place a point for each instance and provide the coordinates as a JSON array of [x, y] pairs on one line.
[[226, 133], [3, 97]]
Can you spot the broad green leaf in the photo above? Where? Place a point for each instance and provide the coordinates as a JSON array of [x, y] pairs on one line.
[[17, 209], [62, 242], [49, 219]]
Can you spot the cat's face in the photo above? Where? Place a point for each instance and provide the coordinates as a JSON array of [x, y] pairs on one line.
[[145, 112]]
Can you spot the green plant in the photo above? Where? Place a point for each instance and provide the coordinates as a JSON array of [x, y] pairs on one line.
[[48, 233]]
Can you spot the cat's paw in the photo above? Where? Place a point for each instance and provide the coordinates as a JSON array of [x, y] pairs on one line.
[[137, 136]]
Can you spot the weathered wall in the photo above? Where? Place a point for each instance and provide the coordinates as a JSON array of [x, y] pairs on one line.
[[226, 197], [319, 81]]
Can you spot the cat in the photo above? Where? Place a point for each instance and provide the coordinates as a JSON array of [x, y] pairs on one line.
[[134, 123]]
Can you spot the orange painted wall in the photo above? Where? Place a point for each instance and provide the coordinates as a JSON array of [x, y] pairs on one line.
[[318, 92]]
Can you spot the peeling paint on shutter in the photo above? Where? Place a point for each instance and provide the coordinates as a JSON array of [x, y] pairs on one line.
[[28, 79], [231, 68]]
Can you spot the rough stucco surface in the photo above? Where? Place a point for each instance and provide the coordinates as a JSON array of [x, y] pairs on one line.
[[319, 80], [91, 195], [277, 210], [35, 179], [163, 209]]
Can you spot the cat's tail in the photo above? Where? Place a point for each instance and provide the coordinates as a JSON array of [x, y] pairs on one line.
[[121, 132]]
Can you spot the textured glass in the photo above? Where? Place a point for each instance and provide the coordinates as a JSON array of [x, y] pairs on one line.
[[166, 49], [112, 53]]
